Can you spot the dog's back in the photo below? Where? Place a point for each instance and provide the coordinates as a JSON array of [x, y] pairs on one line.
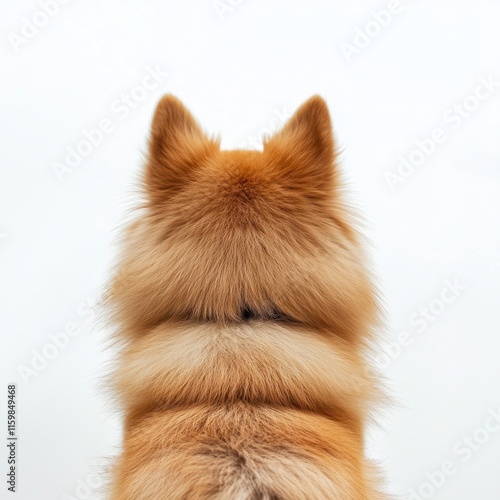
[[244, 309]]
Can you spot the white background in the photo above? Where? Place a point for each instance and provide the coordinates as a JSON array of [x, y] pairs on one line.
[[236, 70]]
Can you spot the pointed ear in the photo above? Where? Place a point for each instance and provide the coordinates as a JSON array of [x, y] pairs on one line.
[[177, 146], [302, 153]]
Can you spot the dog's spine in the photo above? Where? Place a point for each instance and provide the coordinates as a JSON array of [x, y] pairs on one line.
[[251, 412]]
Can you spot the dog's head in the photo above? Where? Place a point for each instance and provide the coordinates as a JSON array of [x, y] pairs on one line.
[[231, 235]]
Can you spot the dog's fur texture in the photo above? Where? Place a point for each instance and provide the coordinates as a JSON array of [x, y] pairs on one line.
[[245, 310]]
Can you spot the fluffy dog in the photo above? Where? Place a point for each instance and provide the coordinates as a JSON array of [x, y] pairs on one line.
[[245, 308]]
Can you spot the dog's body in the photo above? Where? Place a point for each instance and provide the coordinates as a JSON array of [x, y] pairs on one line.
[[245, 309]]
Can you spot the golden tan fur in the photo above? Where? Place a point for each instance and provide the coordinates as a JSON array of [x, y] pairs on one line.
[[245, 309]]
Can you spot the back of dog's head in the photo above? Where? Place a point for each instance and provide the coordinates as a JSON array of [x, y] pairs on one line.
[[231, 235]]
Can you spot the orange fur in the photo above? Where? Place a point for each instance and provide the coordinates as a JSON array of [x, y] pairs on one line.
[[245, 309]]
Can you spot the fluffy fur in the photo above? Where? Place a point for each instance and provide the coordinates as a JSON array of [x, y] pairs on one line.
[[245, 309]]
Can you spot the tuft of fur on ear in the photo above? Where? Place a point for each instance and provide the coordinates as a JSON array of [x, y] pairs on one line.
[[303, 153], [177, 146]]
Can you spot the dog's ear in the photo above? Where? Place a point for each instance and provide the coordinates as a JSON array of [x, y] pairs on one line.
[[302, 153], [177, 146]]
